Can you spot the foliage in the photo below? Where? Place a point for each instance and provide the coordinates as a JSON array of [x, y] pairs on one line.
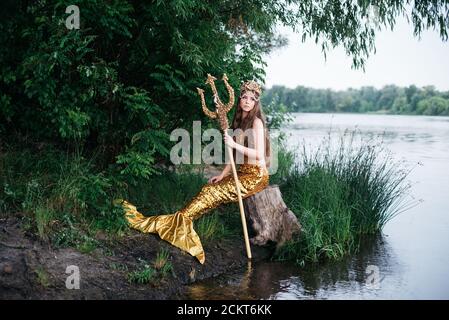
[[121, 82], [277, 114]]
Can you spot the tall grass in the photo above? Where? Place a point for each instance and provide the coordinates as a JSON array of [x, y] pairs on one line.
[[162, 264], [285, 163], [145, 273], [59, 194], [210, 227], [340, 191], [66, 199]]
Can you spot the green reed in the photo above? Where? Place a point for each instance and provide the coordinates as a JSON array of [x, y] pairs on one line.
[[343, 189]]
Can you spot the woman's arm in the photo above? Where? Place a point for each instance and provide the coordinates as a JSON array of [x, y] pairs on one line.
[[226, 170], [258, 152], [223, 174]]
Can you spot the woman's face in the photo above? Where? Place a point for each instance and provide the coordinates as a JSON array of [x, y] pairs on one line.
[[247, 101]]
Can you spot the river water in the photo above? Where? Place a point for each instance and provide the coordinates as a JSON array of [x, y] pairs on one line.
[[408, 260]]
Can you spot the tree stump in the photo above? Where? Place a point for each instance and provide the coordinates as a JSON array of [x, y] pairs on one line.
[[269, 217]]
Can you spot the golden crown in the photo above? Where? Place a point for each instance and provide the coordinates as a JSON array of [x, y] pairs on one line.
[[251, 85]]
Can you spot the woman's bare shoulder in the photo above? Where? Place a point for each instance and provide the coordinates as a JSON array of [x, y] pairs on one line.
[[257, 123]]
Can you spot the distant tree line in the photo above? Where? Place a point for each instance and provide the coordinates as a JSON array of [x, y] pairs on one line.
[[389, 99]]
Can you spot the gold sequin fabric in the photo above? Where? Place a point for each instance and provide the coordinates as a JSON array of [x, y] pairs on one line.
[[177, 228]]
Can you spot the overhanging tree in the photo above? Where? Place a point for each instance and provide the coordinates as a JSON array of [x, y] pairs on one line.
[[127, 77]]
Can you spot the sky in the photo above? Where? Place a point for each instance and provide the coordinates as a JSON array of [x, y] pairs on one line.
[[400, 59]]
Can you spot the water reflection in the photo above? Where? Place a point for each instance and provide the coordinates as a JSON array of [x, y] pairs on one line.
[[363, 276], [236, 286]]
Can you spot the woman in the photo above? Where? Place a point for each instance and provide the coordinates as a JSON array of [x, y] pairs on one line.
[[177, 228]]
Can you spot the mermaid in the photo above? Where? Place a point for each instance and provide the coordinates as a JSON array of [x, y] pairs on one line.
[[253, 147]]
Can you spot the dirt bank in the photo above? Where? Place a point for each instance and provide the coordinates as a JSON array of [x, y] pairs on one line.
[[32, 269]]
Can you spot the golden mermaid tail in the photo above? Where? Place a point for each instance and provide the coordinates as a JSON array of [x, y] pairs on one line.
[[177, 228]]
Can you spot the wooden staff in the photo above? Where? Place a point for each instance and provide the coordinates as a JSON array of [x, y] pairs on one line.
[[220, 113]]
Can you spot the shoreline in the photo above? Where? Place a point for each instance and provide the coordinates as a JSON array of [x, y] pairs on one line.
[[33, 269]]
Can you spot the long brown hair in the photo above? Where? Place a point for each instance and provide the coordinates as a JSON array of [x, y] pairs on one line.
[[238, 122]]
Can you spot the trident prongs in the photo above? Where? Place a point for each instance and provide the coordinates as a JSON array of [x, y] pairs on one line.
[[208, 113], [230, 104], [221, 108]]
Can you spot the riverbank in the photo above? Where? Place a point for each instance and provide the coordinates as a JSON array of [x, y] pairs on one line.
[[57, 211], [33, 269]]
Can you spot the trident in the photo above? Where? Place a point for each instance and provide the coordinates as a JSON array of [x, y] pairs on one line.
[[220, 112]]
